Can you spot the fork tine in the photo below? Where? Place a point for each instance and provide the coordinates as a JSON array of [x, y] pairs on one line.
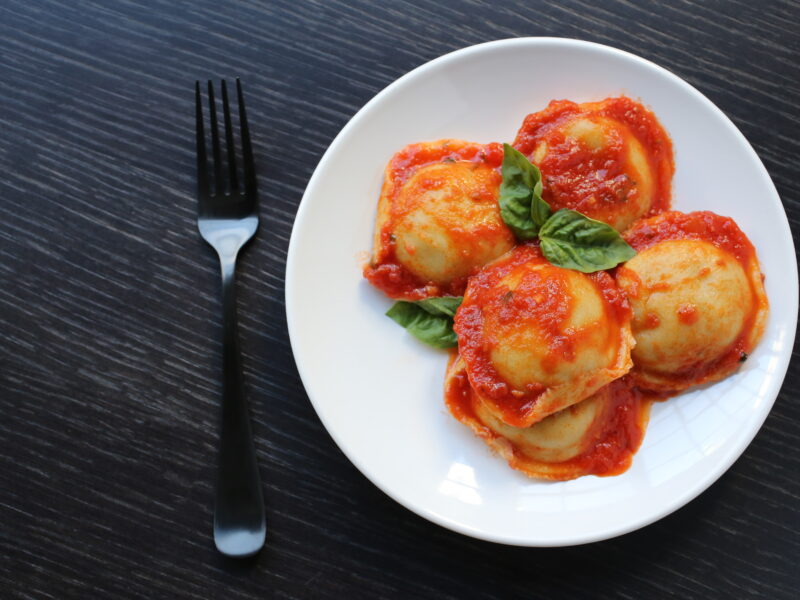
[[233, 183], [202, 163], [247, 149], [218, 187]]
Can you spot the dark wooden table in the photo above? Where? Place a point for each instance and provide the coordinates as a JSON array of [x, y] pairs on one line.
[[109, 308]]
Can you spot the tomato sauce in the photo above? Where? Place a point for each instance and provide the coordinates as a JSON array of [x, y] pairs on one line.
[[703, 225], [597, 181], [617, 433], [394, 280], [536, 298], [651, 321], [621, 434], [687, 314], [385, 271]]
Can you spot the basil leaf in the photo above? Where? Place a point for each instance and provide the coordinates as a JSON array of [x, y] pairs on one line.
[[574, 241], [445, 306], [521, 204], [429, 320]]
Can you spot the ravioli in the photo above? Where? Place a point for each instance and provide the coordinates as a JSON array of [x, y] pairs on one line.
[[697, 296], [609, 160], [598, 435], [438, 219], [536, 338]]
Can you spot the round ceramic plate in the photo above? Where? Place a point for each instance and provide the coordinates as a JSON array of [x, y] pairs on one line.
[[379, 392]]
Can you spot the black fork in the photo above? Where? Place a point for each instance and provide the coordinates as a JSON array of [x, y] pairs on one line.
[[227, 220]]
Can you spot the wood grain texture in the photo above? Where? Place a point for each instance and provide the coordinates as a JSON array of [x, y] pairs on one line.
[[109, 310]]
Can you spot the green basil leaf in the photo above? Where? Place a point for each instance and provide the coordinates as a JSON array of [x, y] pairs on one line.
[[445, 306], [574, 241], [521, 205], [429, 320]]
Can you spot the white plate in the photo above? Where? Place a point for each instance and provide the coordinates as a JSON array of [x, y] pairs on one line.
[[379, 392]]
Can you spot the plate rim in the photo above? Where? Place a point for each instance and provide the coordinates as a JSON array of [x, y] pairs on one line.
[[680, 500]]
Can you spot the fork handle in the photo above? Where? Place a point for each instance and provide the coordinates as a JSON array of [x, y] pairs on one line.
[[239, 520]]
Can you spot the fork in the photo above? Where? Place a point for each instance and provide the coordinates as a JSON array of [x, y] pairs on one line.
[[227, 219]]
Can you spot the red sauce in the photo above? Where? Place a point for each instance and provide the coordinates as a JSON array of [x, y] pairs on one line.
[[385, 271], [617, 434], [394, 280], [621, 435], [723, 233], [651, 321], [702, 225], [687, 314], [536, 298], [659, 286], [413, 156], [597, 182]]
